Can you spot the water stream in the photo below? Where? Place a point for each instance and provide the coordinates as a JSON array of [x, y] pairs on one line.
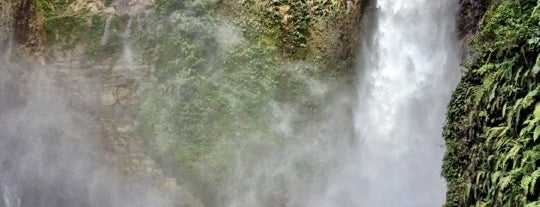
[[105, 37], [409, 70], [126, 64]]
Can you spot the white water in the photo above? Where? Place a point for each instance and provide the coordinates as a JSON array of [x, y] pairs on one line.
[[10, 196], [407, 77], [408, 69], [126, 64], [105, 37]]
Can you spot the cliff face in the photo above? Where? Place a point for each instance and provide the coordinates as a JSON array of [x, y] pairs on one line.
[[118, 61], [153, 77], [493, 122], [39, 45], [22, 24], [5, 22], [469, 15]]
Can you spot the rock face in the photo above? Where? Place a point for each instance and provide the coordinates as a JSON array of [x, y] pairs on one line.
[[6, 18], [55, 148], [112, 101], [104, 94], [64, 40], [470, 14], [28, 26], [106, 102]]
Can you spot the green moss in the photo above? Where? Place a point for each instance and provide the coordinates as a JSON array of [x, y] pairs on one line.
[[324, 32], [65, 30], [53, 8]]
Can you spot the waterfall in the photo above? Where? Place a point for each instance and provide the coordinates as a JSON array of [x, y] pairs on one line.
[[126, 64], [408, 71], [10, 197], [105, 37]]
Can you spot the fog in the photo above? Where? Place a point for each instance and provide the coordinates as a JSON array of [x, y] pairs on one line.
[[374, 143], [408, 68], [50, 153]]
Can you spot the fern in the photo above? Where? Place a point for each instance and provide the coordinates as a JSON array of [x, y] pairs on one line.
[[500, 119], [512, 155], [533, 204], [528, 182], [485, 69], [497, 132], [536, 67], [504, 182], [536, 122]]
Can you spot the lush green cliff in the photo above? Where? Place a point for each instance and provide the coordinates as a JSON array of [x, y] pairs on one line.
[[192, 82], [224, 75], [493, 124]]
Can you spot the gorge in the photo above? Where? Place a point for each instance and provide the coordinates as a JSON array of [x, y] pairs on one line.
[[269, 103]]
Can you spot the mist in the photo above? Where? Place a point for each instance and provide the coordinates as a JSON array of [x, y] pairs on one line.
[[207, 118], [52, 153], [378, 144]]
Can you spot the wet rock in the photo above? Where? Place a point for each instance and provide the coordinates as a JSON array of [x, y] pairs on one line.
[[469, 15], [108, 99]]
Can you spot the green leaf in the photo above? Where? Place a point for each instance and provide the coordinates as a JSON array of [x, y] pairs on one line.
[[536, 132], [536, 67], [529, 182], [533, 204]]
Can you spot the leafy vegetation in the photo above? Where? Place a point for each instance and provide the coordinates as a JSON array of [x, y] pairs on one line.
[[218, 72], [323, 31], [214, 93], [68, 28], [493, 122]]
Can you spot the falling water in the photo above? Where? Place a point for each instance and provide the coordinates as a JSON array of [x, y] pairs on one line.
[[126, 64], [10, 196], [409, 70], [105, 37]]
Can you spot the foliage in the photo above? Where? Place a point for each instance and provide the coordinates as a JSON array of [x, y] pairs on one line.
[[494, 117], [209, 100], [60, 27], [202, 100], [195, 6], [323, 31], [67, 29]]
